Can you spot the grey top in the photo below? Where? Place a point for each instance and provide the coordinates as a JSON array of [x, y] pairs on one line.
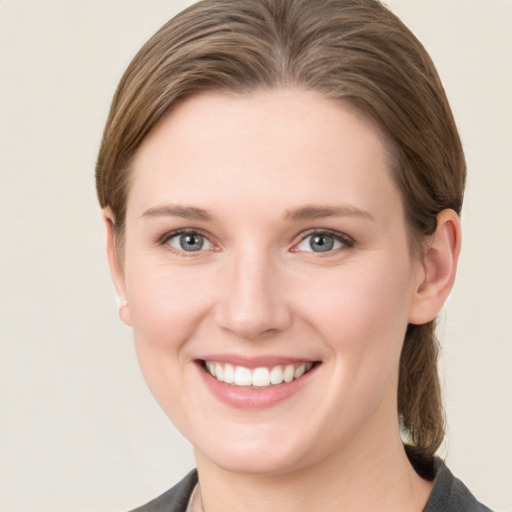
[[448, 493], [175, 499]]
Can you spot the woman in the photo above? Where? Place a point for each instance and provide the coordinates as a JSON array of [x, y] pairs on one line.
[[281, 182]]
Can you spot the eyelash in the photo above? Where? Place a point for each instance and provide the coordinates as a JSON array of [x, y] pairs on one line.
[[164, 241], [345, 240]]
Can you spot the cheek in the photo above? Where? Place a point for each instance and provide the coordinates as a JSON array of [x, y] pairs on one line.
[[362, 319], [371, 297], [166, 308], [362, 315], [165, 303]]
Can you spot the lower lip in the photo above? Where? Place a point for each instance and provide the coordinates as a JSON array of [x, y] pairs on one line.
[[254, 398]]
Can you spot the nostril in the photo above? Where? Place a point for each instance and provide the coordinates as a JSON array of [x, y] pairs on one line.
[[256, 321]]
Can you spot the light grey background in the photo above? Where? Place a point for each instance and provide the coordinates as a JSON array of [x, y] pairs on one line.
[[78, 429]]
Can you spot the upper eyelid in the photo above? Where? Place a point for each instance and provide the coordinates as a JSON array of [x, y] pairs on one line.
[[343, 237], [184, 231]]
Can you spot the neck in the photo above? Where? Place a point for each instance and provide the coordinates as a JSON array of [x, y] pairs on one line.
[[362, 476]]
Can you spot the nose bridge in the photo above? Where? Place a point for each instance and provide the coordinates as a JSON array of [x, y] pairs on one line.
[[253, 302]]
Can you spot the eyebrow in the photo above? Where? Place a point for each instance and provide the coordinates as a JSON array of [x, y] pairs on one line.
[[313, 212], [310, 212], [186, 212]]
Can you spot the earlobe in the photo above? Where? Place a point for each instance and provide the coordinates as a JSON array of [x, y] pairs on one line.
[[439, 265], [116, 269], [124, 313]]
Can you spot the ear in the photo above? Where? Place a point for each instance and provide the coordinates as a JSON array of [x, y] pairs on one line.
[[116, 268], [437, 269]]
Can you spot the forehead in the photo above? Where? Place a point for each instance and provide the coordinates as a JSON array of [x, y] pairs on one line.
[[286, 147]]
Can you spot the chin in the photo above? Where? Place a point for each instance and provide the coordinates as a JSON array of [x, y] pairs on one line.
[[257, 451], [254, 462]]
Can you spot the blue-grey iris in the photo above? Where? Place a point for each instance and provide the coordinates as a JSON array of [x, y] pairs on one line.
[[191, 243], [321, 243]]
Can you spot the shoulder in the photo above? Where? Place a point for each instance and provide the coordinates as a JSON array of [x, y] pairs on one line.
[[175, 499], [448, 494]]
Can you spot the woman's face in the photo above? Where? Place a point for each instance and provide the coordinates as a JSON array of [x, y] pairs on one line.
[[265, 238]]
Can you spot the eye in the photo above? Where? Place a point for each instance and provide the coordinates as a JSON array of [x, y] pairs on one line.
[[323, 242], [189, 242]]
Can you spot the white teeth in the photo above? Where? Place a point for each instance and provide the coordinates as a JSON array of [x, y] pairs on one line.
[[219, 372], [299, 371], [243, 376], [276, 375], [288, 373], [211, 368], [259, 377], [229, 374]]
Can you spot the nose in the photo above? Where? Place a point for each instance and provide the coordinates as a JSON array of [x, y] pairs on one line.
[[253, 303]]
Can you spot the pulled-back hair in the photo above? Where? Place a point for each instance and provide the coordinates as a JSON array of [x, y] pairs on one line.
[[353, 51]]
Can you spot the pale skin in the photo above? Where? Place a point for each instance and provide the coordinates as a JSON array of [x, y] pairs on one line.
[[256, 178]]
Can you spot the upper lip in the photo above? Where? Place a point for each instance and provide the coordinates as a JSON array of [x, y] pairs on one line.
[[255, 361]]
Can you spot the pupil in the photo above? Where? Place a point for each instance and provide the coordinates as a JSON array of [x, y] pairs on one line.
[[322, 243], [191, 242]]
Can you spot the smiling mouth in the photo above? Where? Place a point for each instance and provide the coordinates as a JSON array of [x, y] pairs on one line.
[[262, 377]]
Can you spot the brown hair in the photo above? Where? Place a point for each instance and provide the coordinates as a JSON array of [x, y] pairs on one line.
[[354, 51]]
